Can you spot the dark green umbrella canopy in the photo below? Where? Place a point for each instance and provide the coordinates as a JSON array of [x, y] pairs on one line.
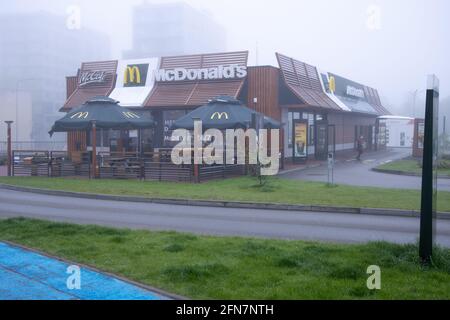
[[223, 112], [107, 114]]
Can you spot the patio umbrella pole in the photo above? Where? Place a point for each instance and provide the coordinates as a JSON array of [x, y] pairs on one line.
[[139, 142], [94, 149]]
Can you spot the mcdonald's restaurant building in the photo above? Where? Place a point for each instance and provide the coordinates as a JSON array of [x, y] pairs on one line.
[[321, 112]]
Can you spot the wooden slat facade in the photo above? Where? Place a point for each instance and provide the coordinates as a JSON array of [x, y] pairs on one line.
[[195, 93], [76, 141], [82, 94], [303, 80], [71, 85], [263, 84]]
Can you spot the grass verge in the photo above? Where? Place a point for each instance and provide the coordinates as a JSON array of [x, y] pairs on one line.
[[204, 267], [411, 166], [277, 190]]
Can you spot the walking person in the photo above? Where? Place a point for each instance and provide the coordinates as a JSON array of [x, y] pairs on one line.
[[360, 147]]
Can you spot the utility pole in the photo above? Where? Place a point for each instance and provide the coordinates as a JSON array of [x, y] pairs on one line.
[[9, 160], [429, 175]]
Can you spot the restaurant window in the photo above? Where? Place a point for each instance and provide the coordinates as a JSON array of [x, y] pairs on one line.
[[292, 115], [311, 136], [290, 129], [310, 118], [169, 117], [99, 138]]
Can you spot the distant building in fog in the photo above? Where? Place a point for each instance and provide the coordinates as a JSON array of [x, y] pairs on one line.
[[8, 111], [399, 131], [173, 29], [37, 51]]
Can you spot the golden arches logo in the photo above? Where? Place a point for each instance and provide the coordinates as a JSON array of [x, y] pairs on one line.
[[332, 84], [132, 75], [219, 115], [80, 115], [131, 115]]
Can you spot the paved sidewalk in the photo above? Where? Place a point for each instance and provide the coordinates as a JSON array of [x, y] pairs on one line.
[[26, 275], [349, 171]]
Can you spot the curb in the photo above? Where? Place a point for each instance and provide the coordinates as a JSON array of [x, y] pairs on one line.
[[227, 204], [158, 291], [299, 169], [403, 173]]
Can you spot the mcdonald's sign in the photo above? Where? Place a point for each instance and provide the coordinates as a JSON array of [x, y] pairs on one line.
[[219, 115], [135, 75], [130, 115], [80, 115]]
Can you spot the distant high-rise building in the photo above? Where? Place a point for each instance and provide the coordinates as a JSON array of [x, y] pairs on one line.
[[173, 29], [37, 51]]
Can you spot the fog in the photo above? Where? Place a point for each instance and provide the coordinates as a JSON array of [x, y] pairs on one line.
[[389, 45]]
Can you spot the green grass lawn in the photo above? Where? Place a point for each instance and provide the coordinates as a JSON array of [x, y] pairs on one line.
[[277, 190], [411, 166], [203, 267]]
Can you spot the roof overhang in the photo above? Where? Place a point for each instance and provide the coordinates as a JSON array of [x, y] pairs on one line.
[[93, 79]]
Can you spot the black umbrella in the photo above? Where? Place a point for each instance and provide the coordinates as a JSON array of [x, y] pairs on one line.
[[223, 112], [106, 113]]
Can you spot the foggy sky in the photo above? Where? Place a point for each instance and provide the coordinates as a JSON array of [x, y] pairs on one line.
[[413, 39]]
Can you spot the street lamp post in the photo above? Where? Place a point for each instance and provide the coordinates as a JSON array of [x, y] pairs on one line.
[[94, 149], [9, 152]]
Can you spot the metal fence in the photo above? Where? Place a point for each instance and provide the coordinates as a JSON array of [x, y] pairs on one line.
[[156, 166], [33, 145]]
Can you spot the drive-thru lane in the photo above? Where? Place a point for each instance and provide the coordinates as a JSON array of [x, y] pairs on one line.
[[336, 227], [359, 173]]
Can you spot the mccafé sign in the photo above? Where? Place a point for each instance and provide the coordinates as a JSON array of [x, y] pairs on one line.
[[215, 73], [89, 77]]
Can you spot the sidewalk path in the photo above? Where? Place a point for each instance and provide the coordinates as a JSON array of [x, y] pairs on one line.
[[359, 173], [26, 275]]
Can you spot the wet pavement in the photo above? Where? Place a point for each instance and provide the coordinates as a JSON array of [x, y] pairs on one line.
[[359, 173], [277, 224]]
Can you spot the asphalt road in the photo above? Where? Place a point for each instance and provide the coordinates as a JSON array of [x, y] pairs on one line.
[[335, 227], [359, 173]]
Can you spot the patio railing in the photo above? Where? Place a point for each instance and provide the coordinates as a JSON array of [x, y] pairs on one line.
[[155, 166]]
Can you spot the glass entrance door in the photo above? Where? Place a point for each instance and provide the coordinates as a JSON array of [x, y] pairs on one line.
[[332, 138], [321, 147]]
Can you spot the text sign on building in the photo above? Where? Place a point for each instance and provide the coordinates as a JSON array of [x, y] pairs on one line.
[[91, 77], [346, 88], [355, 92], [232, 71]]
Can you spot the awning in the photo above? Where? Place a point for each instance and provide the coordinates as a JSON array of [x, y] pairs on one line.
[[303, 81], [223, 112], [358, 97], [106, 113]]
